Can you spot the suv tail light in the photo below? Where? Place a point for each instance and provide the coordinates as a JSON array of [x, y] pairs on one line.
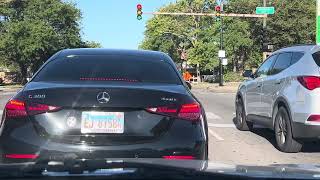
[[17, 108], [309, 82], [189, 112], [314, 118]]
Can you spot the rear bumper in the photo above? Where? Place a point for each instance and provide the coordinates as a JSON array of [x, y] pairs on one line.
[[45, 153], [183, 139], [305, 131]]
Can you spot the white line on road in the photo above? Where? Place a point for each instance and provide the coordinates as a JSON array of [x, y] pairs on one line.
[[222, 125], [217, 136], [212, 116], [256, 126]]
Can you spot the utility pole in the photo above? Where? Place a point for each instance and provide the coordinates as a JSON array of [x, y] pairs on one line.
[[221, 47], [264, 27], [318, 23]]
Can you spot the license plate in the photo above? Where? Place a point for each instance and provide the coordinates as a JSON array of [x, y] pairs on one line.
[[102, 122]]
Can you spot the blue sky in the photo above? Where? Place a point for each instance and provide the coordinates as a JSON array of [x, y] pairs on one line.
[[113, 23]]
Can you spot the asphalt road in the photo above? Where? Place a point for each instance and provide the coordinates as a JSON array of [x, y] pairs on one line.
[[231, 146]]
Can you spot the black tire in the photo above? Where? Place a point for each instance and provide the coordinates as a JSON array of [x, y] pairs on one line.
[[241, 118], [283, 133]]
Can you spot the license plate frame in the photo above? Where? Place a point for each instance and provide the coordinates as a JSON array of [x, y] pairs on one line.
[[97, 122]]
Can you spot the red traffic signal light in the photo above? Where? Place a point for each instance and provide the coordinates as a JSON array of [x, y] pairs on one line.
[[139, 11], [218, 8]]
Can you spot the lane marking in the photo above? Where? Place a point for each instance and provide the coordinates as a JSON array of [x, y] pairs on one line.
[[222, 125], [256, 126], [212, 116], [217, 136]]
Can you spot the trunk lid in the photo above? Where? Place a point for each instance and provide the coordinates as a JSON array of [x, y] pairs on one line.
[[127, 99]]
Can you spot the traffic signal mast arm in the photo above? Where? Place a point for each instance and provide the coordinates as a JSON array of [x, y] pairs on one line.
[[207, 14]]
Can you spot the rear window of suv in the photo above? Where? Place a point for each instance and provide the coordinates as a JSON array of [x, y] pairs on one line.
[[109, 68]]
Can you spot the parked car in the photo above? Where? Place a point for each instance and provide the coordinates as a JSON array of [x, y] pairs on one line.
[[283, 95]]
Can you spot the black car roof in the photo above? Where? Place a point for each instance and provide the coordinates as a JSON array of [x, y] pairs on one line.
[[102, 51]]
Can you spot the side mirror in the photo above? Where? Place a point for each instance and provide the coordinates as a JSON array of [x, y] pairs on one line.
[[189, 85], [248, 74]]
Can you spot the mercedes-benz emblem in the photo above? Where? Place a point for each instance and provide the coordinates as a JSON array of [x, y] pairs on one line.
[[103, 97]]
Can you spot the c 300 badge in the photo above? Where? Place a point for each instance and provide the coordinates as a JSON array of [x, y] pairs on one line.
[[37, 96]]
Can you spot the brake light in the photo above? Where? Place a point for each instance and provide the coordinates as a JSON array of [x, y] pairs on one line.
[[22, 156], [314, 118], [34, 108], [189, 112], [179, 157], [17, 108], [309, 82]]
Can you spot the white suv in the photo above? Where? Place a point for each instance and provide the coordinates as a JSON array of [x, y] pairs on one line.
[[284, 95]]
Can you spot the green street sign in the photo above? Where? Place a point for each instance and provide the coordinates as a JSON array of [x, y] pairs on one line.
[[265, 10]]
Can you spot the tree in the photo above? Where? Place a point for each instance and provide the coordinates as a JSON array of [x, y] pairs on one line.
[[33, 30], [91, 44], [178, 34], [293, 23]]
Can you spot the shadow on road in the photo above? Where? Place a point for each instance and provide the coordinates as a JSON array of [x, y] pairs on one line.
[[308, 147]]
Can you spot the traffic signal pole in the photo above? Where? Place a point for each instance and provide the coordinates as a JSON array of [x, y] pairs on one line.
[[221, 48], [318, 23], [206, 14], [264, 28]]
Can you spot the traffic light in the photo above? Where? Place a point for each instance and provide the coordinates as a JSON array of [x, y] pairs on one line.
[[218, 12], [139, 11], [217, 8]]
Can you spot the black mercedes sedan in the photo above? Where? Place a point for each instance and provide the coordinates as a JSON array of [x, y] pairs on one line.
[[99, 104]]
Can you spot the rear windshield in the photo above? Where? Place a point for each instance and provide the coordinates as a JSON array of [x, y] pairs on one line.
[[316, 57], [109, 68]]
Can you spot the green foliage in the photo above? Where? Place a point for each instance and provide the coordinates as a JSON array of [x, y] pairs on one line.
[[36, 29], [293, 23], [92, 44], [232, 77]]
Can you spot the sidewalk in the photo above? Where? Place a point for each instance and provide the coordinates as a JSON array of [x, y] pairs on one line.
[[231, 87], [10, 88]]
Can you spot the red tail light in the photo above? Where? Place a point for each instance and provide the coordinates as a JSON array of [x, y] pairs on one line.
[[18, 108], [309, 82], [15, 108], [22, 156], [314, 118], [35, 108], [178, 157], [190, 112]]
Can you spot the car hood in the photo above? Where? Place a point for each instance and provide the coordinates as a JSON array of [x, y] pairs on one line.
[[185, 167]]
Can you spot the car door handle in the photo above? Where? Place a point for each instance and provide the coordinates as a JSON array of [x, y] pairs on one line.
[[278, 82], [259, 85]]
